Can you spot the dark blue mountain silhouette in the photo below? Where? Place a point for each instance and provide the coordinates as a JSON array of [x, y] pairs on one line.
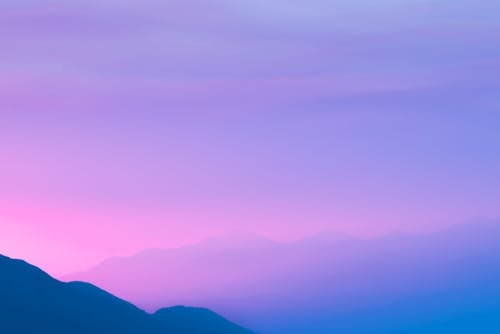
[[179, 319], [33, 302]]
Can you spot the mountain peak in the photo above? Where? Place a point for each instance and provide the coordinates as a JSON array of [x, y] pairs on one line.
[[237, 240]]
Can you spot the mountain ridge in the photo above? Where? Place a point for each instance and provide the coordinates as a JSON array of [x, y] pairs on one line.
[[300, 287], [34, 302]]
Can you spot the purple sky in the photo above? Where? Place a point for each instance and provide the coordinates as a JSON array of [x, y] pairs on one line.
[[127, 125]]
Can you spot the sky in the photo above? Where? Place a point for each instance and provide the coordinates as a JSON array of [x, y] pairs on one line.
[[127, 125]]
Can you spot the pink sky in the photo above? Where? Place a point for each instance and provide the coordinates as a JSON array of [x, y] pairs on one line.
[[131, 125]]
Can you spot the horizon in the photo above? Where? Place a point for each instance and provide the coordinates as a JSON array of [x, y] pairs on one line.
[[238, 239]]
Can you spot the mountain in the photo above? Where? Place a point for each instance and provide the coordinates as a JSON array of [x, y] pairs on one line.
[[179, 319], [33, 302], [430, 283]]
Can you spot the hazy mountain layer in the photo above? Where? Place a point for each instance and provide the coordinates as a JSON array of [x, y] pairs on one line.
[[434, 283]]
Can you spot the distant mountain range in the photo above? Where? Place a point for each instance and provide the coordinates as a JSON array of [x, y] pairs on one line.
[[33, 302], [442, 282]]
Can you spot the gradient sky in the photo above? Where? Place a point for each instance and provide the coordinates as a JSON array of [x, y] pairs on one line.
[[127, 125]]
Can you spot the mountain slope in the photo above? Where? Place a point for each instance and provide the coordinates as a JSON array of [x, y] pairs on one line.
[[33, 302], [179, 319]]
